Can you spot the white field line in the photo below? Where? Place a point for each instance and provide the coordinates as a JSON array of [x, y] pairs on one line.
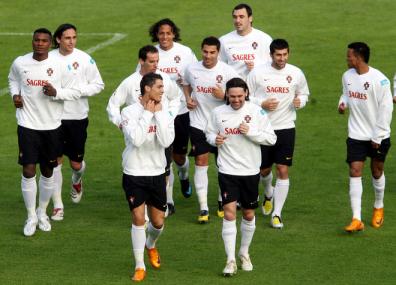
[[116, 37]]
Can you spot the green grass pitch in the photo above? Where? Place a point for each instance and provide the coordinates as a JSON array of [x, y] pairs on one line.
[[92, 245]]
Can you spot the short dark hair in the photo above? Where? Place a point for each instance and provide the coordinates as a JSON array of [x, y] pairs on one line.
[[211, 41], [149, 80], [42, 31], [361, 49], [236, 82], [145, 50], [243, 6], [59, 31], [278, 44], [154, 29]]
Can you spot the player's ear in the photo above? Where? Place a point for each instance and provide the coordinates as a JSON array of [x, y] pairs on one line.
[[58, 40]]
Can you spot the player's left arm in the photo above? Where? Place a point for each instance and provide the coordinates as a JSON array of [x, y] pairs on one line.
[[261, 132], [165, 127], [94, 83], [385, 109], [302, 93]]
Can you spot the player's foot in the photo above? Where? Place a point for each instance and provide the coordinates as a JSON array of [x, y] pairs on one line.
[[171, 209], [378, 217], [76, 192], [276, 222], [355, 226], [43, 221], [154, 257], [267, 206], [246, 264], [220, 210], [186, 188], [230, 268], [139, 275], [203, 217], [57, 214], [30, 226]]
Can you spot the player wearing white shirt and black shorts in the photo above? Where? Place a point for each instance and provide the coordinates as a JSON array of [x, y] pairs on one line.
[[367, 94], [204, 83], [245, 47], [148, 129], [75, 115], [279, 88], [238, 129], [35, 79], [173, 60]]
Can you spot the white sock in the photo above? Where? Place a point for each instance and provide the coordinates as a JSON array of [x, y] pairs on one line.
[[152, 235], [58, 180], [169, 188], [229, 232], [183, 169], [379, 189], [29, 193], [267, 183], [247, 232], [46, 186], [355, 195], [138, 236], [219, 198], [76, 175], [280, 194], [201, 186]]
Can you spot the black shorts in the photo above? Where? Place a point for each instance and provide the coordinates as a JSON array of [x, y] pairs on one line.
[[74, 136], [199, 145], [182, 134], [358, 150], [145, 189], [282, 151], [168, 155], [38, 146], [240, 188]]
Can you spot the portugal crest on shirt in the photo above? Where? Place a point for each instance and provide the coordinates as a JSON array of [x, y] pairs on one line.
[[177, 59], [219, 78], [75, 65], [247, 119], [50, 71], [289, 78], [366, 85], [254, 45]]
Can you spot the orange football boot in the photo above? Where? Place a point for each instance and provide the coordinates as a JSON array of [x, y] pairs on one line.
[[378, 217], [355, 226], [139, 275], [154, 257]]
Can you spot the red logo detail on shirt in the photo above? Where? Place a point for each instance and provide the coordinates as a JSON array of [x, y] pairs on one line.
[[36, 82], [254, 45], [277, 89], [357, 95], [152, 129], [219, 78], [75, 65], [231, 131], [289, 78], [177, 59], [242, 57], [207, 90], [366, 85], [169, 69], [50, 71], [247, 119]]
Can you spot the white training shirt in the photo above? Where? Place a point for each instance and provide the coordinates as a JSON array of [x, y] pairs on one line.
[[236, 49], [266, 82], [27, 77], [87, 77], [128, 92], [202, 81], [146, 136], [240, 154], [369, 99]]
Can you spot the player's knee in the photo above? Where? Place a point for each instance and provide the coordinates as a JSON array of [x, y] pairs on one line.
[[29, 171], [265, 171], [179, 159], [75, 165], [248, 215]]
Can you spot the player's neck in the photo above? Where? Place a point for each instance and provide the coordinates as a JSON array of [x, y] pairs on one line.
[[40, 56], [65, 52], [245, 32], [362, 68]]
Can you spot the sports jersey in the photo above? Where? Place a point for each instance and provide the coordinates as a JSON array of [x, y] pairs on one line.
[[240, 154], [146, 135], [27, 78], [267, 82], [128, 92], [369, 99], [202, 81], [87, 77], [236, 49]]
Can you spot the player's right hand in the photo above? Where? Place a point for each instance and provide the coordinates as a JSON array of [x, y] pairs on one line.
[[220, 139], [341, 108], [18, 101], [191, 104], [270, 104]]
